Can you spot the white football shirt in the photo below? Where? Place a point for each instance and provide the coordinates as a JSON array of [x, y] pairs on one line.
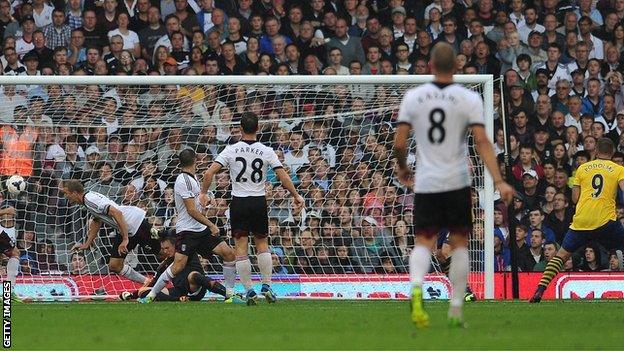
[[248, 162], [440, 115], [10, 232], [187, 187], [98, 205]]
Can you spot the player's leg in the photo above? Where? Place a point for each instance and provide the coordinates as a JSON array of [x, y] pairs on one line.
[[428, 220], [243, 265], [116, 261], [571, 242], [12, 270], [239, 219], [197, 281], [259, 227], [265, 264], [117, 266], [185, 246], [419, 264], [179, 261], [458, 273], [228, 255], [12, 265]]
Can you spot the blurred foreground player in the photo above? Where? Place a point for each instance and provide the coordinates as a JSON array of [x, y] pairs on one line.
[[441, 113], [595, 187]]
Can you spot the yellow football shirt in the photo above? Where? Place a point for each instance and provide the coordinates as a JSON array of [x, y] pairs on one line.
[[599, 181]]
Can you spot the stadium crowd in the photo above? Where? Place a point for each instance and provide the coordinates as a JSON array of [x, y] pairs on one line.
[[562, 91]]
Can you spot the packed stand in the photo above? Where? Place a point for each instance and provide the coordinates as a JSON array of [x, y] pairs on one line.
[[562, 76]]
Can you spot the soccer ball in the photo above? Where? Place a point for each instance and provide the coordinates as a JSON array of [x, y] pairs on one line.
[[16, 184]]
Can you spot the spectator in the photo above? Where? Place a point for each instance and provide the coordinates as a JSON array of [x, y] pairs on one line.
[[614, 263], [42, 13], [501, 254], [594, 103], [525, 258], [526, 164], [151, 34], [549, 251], [74, 14], [46, 259], [78, 264], [536, 247], [57, 33], [592, 259], [92, 30], [130, 38], [530, 24], [449, 34]]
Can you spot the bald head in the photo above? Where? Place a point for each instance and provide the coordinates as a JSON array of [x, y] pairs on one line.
[[443, 58]]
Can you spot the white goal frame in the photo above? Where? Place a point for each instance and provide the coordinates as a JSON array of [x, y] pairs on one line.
[[486, 80]]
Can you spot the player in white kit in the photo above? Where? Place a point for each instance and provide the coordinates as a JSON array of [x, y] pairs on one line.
[[440, 114], [196, 234], [248, 161], [8, 246], [129, 221]]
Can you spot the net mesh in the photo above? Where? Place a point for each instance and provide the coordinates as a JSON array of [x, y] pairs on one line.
[[122, 141]]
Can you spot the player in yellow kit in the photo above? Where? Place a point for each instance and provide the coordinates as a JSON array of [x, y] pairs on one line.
[[595, 187]]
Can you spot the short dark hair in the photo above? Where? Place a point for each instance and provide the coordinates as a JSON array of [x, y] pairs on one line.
[[249, 122], [187, 157], [170, 238], [73, 185], [555, 45], [582, 153], [605, 146]]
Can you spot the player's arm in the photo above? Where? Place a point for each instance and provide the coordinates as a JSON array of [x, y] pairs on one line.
[[400, 153], [94, 227], [123, 228], [288, 184], [576, 192], [198, 216], [486, 152], [214, 168]]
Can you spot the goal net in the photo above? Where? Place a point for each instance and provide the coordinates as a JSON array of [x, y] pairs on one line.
[[121, 136]]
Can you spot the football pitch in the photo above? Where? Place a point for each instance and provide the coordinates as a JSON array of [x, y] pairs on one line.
[[305, 325]]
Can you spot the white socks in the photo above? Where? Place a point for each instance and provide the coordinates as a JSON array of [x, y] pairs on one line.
[[161, 282], [458, 275], [12, 268], [419, 263], [133, 275], [243, 267], [229, 277], [265, 264]]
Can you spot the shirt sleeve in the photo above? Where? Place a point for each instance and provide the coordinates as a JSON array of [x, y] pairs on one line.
[[222, 158], [274, 161], [406, 109], [577, 178], [97, 204], [184, 187], [474, 110], [620, 175]]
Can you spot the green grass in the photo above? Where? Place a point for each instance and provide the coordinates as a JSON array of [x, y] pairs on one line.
[[299, 325]]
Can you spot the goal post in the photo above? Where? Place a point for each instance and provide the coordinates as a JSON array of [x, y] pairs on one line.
[[317, 102]]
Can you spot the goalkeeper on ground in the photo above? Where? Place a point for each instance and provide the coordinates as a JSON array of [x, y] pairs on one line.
[[190, 284]]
